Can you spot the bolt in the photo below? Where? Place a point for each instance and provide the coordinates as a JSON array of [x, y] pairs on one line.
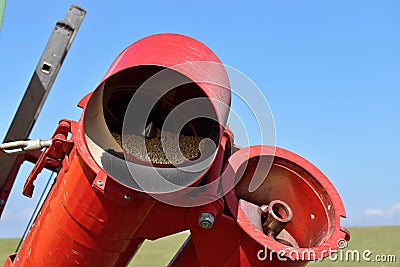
[[2, 202], [100, 183], [127, 197], [206, 220]]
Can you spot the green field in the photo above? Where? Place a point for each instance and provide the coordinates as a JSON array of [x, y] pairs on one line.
[[381, 241]]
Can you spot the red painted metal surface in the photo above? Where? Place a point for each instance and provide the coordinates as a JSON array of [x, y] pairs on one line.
[[92, 218], [31, 156], [89, 218], [140, 62], [317, 209], [177, 52], [52, 157]]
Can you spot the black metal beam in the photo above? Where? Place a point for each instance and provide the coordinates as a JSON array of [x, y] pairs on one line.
[[37, 91]]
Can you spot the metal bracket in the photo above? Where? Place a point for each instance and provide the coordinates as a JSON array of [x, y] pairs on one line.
[[53, 155]]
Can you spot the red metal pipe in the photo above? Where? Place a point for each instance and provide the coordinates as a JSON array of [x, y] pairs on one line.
[[239, 239], [91, 217], [96, 214]]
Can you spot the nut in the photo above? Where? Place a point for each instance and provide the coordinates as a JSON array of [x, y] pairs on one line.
[[206, 220]]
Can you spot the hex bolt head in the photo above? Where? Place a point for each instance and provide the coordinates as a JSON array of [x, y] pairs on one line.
[[127, 197], [100, 183], [2, 202], [206, 220]]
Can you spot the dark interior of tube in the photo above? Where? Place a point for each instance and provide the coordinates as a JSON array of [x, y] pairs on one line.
[[106, 116], [109, 107], [119, 89]]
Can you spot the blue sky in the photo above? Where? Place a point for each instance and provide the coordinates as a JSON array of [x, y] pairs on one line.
[[330, 71]]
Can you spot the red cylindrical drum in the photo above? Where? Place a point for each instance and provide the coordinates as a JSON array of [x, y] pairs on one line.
[[305, 207], [97, 205]]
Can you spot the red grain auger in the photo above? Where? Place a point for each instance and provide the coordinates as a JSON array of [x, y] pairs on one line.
[[152, 155]]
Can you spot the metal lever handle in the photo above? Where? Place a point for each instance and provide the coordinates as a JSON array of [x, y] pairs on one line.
[[20, 147]]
